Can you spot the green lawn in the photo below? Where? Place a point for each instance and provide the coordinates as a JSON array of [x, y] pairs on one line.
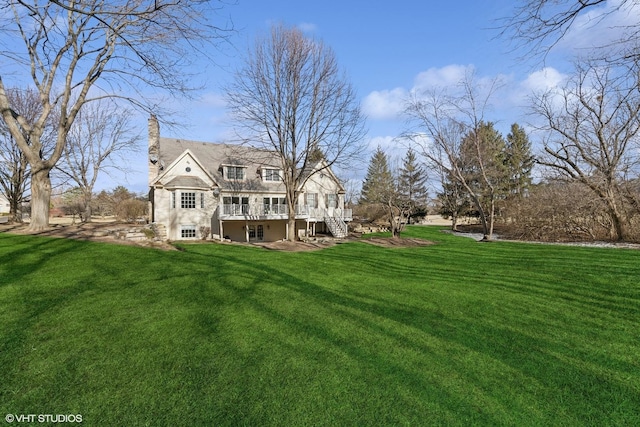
[[457, 333]]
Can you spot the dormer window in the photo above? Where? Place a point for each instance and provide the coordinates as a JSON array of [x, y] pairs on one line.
[[234, 172], [271, 175]]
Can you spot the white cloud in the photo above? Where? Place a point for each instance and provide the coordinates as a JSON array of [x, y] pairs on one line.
[[384, 104], [542, 80], [450, 75], [307, 27], [601, 26], [386, 143], [388, 104], [507, 105], [213, 100]]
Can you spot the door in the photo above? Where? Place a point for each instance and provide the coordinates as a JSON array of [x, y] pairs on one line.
[[256, 233]]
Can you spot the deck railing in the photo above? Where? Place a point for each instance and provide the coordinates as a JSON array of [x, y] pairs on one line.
[[239, 211]]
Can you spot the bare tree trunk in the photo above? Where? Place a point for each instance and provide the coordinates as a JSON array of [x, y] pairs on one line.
[[40, 198], [617, 221], [395, 226], [291, 227], [14, 210], [86, 199], [486, 231], [492, 218]]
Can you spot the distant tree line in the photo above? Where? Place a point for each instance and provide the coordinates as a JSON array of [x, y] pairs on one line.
[[587, 159], [97, 141], [120, 203]]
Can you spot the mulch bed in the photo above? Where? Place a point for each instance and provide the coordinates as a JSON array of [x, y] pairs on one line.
[[93, 231], [102, 232]]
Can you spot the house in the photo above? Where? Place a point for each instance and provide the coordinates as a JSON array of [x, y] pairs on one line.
[[235, 192], [4, 204]]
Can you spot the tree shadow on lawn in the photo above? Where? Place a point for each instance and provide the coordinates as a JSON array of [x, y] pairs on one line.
[[551, 378]]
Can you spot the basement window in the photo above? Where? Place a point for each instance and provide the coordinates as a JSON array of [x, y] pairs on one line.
[[188, 232]]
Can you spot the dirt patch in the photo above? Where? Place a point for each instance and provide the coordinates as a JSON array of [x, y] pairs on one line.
[[95, 231], [107, 231], [385, 242]]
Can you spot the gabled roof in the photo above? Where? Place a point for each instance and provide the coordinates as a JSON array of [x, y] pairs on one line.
[[211, 157], [324, 168], [184, 181], [168, 171]]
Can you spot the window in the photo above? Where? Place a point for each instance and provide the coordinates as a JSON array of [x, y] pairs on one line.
[[201, 200], [188, 232], [173, 199], [188, 200], [235, 172], [332, 200], [235, 205], [272, 175], [312, 200], [275, 205]]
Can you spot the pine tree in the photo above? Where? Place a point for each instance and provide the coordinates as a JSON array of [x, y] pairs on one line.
[[411, 183], [519, 161], [454, 200], [483, 171], [378, 183]]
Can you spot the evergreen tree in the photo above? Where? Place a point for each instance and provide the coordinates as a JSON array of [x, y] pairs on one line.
[[483, 171], [483, 159], [518, 161], [411, 183], [378, 183], [453, 199]]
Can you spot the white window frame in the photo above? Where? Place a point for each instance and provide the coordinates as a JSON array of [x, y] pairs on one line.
[[228, 175], [332, 199], [188, 229], [188, 200], [311, 197], [271, 175]]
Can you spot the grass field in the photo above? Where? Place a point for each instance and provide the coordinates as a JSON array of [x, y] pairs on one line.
[[456, 333]]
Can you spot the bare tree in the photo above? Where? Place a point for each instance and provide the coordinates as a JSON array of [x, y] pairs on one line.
[[290, 97], [14, 168], [453, 199], [539, 25], [75, 52], [101, 132], [559, 211], [451, 134], [592, 128]]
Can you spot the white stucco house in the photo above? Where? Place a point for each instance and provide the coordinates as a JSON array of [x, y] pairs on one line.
[[4, 205], [236, 192]]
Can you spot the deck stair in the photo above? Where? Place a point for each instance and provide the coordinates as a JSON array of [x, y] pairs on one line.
[[337, 226]]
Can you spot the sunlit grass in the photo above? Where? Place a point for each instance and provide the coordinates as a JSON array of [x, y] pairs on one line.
[[457, 333]]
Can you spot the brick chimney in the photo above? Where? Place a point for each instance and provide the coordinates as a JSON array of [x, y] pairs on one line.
[[154, 148]]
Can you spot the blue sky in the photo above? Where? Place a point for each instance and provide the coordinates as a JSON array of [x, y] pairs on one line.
[[383, 49], [387, 50]]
